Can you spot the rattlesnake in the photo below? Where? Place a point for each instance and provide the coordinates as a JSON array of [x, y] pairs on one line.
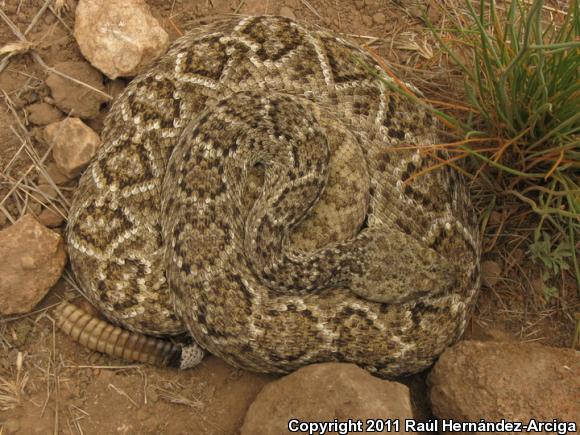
[[256, 187]]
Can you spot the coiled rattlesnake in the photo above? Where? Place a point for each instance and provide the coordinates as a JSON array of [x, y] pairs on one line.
[[249, 185]]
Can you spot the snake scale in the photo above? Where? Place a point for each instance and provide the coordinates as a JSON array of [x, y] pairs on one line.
[[256, 188]]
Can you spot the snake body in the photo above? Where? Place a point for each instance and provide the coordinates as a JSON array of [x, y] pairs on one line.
[[256, 188]]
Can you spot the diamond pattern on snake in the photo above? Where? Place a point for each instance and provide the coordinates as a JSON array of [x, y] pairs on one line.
[[255, 188]]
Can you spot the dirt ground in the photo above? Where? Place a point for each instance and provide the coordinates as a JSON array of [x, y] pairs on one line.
[[65, 388]]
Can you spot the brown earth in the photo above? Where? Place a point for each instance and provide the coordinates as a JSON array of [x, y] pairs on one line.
[[61, 387]]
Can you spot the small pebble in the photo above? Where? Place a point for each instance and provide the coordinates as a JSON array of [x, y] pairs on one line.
[[49, 18], [379, 18], [55, 174], [73, 98], [490, 273], [51, 219], [43, 113], [287, 12], [368, 21], [74, 145]]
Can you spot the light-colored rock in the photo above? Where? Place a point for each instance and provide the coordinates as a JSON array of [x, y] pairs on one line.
[[73, 98], [119, 37], [514, 381], [74, 145], [323, 392], [43, 113], [490, 273], [33, 259]]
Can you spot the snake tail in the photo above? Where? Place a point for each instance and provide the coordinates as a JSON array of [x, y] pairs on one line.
[[98, 335]]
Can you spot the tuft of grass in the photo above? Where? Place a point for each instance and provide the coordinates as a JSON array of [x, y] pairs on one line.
[[520, 123], [518, 127], [12, 391]]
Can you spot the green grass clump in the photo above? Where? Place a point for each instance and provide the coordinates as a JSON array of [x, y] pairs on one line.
[[522, 118]]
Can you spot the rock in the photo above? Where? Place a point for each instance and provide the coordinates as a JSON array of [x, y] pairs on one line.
[[46, 191], [55, 175], [379, 18], [43, 113], [73, 98], [33, 259], [514, 381], [119, 37], [490, 273], [42, 195], [285, 11], [50, 218], [74, 145], [323, 392]]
